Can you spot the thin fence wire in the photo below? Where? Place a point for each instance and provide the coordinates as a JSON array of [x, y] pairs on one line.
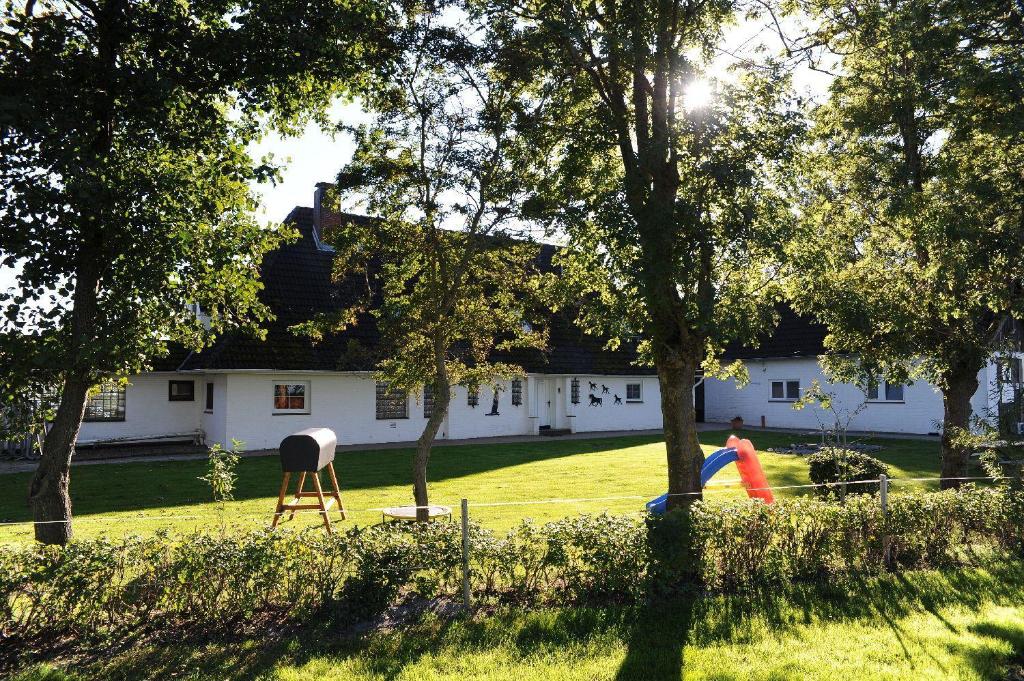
[[519, 502]]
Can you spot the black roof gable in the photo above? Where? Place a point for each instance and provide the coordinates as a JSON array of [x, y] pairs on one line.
[[794, 336], [298, 285]]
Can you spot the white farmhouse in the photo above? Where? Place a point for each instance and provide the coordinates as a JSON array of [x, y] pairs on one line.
[[783, 366], [260, 391]]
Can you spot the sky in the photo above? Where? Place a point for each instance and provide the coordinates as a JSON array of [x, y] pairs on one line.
[[317, 156]]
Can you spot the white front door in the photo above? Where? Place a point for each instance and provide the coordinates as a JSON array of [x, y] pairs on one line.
[[545, 402]]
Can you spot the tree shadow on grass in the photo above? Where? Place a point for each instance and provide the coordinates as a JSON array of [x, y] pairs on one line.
[[150, 484], [385, 654], [656, 641], [990, 661], [656, 634], [147, 485]]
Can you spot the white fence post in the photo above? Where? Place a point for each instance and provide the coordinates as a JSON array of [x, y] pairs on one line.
[[465, 555]]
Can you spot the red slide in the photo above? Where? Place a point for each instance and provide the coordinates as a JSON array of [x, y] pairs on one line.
[[751, 473]]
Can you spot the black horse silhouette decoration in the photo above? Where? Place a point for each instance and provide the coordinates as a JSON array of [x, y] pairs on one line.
[[595, 401], [593, 386], [618, 400], [604, 389]]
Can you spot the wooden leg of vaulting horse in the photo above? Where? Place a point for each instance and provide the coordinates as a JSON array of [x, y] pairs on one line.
[[320, 498], [280, 499], [337, 490], [298, 493]]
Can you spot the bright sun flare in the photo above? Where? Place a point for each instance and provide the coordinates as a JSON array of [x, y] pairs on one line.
[[697, 93]]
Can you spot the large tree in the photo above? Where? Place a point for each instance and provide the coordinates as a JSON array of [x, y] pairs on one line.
[[913, 196], [126, 198], [450, 272], [670, 210]]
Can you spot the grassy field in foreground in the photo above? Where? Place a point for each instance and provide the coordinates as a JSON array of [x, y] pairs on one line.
[[926, 625], [142, 497]]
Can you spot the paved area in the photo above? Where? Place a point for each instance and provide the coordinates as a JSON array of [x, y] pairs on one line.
[[24, 466], [852, 435]]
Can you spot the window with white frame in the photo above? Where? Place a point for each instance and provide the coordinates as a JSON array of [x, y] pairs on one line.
[[291, 398], [391, 404], [884, 391], [208, 404], [634, 392], [473, 395], [107, 403], [785, 390]]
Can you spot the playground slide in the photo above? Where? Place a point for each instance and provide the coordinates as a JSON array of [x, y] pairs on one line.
[[751, 472], [740, 452]]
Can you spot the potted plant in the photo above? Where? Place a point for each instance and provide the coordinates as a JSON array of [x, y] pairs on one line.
[[736, 423]]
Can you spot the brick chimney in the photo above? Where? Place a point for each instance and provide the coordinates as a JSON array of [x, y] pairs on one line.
[[319, 197], [323, 214]]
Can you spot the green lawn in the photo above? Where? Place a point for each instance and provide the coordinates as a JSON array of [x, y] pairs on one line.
[[145, 496], [927, 625], [957, 624]]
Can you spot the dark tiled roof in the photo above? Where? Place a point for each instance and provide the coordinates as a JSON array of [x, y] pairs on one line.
[[795, 336], [297, 285], [176, 354]]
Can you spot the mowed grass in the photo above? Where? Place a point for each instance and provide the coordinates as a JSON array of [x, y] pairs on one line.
[[965, 625], [503, 482]]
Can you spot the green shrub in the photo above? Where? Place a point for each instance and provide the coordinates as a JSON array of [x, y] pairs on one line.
[[222, 581], [834, 464], [597, 557]]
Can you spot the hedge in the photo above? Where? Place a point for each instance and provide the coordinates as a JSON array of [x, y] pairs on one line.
[[219, 582], [835, 464]]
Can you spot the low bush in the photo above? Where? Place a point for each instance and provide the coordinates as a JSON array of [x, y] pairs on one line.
[[835, 464], [221, 581]]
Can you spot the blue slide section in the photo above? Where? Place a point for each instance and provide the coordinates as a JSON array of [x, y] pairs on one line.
[[714, 463]]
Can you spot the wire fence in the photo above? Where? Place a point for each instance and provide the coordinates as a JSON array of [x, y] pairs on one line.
[[711, 487]]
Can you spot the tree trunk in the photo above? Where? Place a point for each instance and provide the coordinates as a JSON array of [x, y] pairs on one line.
[[957, 392], [442, 397], [685, 457], [48, 492]]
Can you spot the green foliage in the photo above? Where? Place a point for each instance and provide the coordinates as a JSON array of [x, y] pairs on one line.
[[673, 549], [220, 475], [221, 582], [664, 203], [672, 211], [141, 113], [441, 168], [127, 205], [450, 274], [835, 464], [910, 194]]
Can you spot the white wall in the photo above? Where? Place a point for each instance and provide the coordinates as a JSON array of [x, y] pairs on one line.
[[148, 411], [468, 422], [214, 422], [920, 412], [346, 403], [609, 415]]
